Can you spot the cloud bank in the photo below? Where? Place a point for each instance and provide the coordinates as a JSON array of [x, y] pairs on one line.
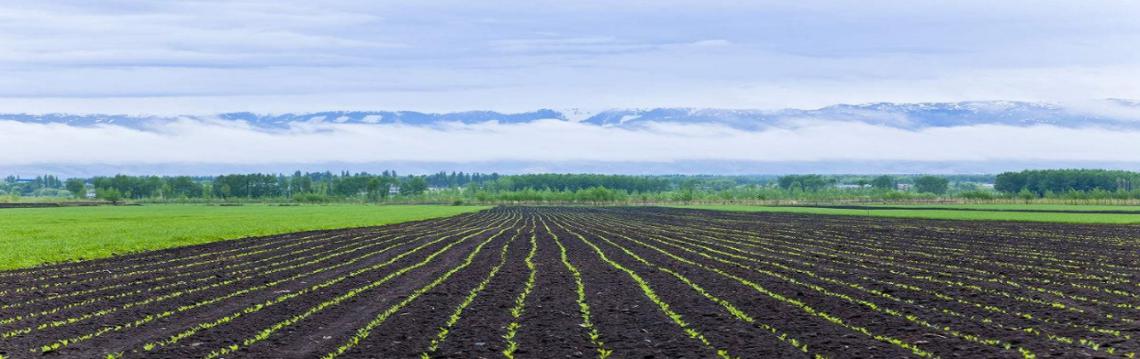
[[209, 57], [297, 56], [230, 142]]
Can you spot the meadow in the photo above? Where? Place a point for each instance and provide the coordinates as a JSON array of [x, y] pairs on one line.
[[35, 236]]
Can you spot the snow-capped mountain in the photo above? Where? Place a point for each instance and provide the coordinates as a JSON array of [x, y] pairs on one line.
[[908, 116], [284, 120], [1121, 114]]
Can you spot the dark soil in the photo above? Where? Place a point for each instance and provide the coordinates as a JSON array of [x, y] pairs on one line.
[[835, 286], [920, 208]]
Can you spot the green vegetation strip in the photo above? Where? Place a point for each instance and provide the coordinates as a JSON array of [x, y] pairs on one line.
[[732, 309], [914, 349], [34, 236], [152, 317], [366, 330], [948, 213], [520, 300], [468, 233], [853, 300], [646, 289], [470, 298], [583, 307], [336, 244]]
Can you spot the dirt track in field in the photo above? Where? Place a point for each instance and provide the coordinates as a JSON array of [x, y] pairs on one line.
[[612, 282]]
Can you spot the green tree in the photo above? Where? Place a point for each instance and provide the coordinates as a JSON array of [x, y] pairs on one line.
[[884, 182], [77, 187], [686, 193], [931, 184], [1064, 180], [414, 186], [809, 183], [109, 194], [1026, 195], [374, 189]]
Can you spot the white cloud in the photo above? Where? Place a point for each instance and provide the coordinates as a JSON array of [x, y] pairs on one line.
[[711, 43], [565, 45], [440, 56], [1120, 110], [176, 57], [222, 142]]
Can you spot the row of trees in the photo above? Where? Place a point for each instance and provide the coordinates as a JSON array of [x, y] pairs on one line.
[[814, 183], [575, 182], [47, 185], [459, 186], [453, 179], [344, 185], [251, 186], [1041, 182], [321, 186], [362, 185]]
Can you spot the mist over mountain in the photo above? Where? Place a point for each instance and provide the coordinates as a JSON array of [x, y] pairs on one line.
[[1123, 114], [958, 137], [713, 167]]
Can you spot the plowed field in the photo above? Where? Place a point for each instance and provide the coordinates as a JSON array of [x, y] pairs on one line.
[[552, 282]]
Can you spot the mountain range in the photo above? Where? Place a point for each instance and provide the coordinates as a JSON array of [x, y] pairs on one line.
[[1122, 114]]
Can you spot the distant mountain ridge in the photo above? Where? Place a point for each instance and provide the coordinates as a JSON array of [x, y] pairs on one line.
[[905, 116], [908, 116]]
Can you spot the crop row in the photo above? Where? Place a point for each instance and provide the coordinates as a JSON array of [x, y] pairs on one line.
[[678, 238], [244, 269], [613, 282], [240, 292], [774, 272], [71, 320], [203, 259]]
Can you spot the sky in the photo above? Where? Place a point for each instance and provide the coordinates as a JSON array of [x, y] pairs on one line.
[[207, 57], [176, 57]]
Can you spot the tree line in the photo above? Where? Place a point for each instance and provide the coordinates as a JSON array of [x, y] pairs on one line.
[[388, 186], [328, 186], [1076, 182], [813, 183]]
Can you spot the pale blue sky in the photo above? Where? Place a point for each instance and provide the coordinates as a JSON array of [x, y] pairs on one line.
[[276, 56], [279, 56]]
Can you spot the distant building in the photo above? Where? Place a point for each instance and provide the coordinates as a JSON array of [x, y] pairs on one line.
[[852, 186], [90, 194], [903, 186], [393, 190]]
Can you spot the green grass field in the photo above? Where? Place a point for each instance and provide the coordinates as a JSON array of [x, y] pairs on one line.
[[1023, 207], [948, 213], [34, 236]]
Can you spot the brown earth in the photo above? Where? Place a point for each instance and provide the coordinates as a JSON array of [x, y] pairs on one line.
[[657, 283]]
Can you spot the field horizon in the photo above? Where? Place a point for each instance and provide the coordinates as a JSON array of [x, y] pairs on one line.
[[441, 179], [510, 281]]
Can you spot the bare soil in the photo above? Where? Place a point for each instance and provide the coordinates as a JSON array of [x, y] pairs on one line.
[[667, 283]]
